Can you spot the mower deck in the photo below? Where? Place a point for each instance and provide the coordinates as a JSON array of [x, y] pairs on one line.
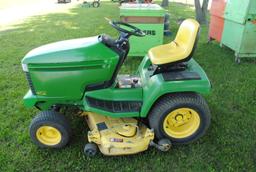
[[118, 136]]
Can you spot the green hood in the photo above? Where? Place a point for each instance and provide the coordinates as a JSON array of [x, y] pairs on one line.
[[62, 52]]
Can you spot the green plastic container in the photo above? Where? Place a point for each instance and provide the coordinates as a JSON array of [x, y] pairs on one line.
[[240, 28], [149, 18]]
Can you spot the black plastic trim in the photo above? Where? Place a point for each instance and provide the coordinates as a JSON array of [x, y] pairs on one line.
[[114, 106], [181, 76], [30, 83], [102, 126]]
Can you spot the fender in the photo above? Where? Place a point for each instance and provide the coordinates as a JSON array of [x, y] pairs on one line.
[[154, 87]]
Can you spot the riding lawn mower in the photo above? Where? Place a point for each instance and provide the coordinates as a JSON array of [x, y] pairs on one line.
[[159, 105]]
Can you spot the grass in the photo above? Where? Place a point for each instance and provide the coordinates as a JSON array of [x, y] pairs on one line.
[[229, 144]]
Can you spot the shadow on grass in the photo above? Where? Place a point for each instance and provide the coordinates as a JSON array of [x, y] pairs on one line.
[[78, 22]]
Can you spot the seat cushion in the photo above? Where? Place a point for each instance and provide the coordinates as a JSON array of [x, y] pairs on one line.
[[180, 49], [166, 53]]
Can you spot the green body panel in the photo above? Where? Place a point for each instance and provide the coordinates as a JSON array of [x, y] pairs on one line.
[[59, 82], [29, 99], [114, 94], [155, 86], [44, 102], [61, 71], [121, 94], [154, 30], [239, 32], [152, 88]]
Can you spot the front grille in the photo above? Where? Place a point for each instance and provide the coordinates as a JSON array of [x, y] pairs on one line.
[[30, 84], [114, 106]]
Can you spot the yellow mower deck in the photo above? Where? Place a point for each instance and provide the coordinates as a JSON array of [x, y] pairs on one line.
[[118, 136]]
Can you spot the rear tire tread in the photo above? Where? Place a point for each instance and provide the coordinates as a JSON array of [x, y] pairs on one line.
[[161, 106]]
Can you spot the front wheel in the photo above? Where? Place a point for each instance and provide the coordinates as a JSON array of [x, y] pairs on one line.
[[50, 129], [182, 118]]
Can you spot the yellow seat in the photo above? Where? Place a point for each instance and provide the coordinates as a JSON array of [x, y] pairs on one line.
[[179, 49]]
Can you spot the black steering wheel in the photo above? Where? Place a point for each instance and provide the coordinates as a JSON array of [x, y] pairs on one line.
[[134, 30]]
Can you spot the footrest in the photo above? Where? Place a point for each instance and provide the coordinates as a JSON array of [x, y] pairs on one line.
[[182, 75]]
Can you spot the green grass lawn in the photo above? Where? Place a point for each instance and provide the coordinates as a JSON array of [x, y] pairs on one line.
[[229, 145]]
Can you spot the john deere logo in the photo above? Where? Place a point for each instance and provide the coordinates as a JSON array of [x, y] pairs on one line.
[[149, 32]]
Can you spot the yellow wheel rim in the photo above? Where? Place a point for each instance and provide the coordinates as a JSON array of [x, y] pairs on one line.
[[48, 135], [181, 123]]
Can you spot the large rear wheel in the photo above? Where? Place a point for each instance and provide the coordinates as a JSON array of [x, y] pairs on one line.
[[182, 118]]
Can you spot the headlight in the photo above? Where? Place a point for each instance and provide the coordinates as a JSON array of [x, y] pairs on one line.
[[24, 67]]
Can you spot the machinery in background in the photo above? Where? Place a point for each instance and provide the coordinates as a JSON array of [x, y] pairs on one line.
[[64, 1], [233, 24], [239, 32], [94, 4], [217, 20], [132, 1], [147, 17], [167, 31]]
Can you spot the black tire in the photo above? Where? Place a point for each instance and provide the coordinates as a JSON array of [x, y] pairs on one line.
[[90, 149], [50, 119], [170, 103], [165, 144], [95, 4]]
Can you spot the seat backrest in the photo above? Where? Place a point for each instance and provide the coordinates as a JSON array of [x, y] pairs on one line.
[[187, 37]]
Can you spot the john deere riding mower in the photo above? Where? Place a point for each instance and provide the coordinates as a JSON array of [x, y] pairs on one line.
[[158, 105]]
